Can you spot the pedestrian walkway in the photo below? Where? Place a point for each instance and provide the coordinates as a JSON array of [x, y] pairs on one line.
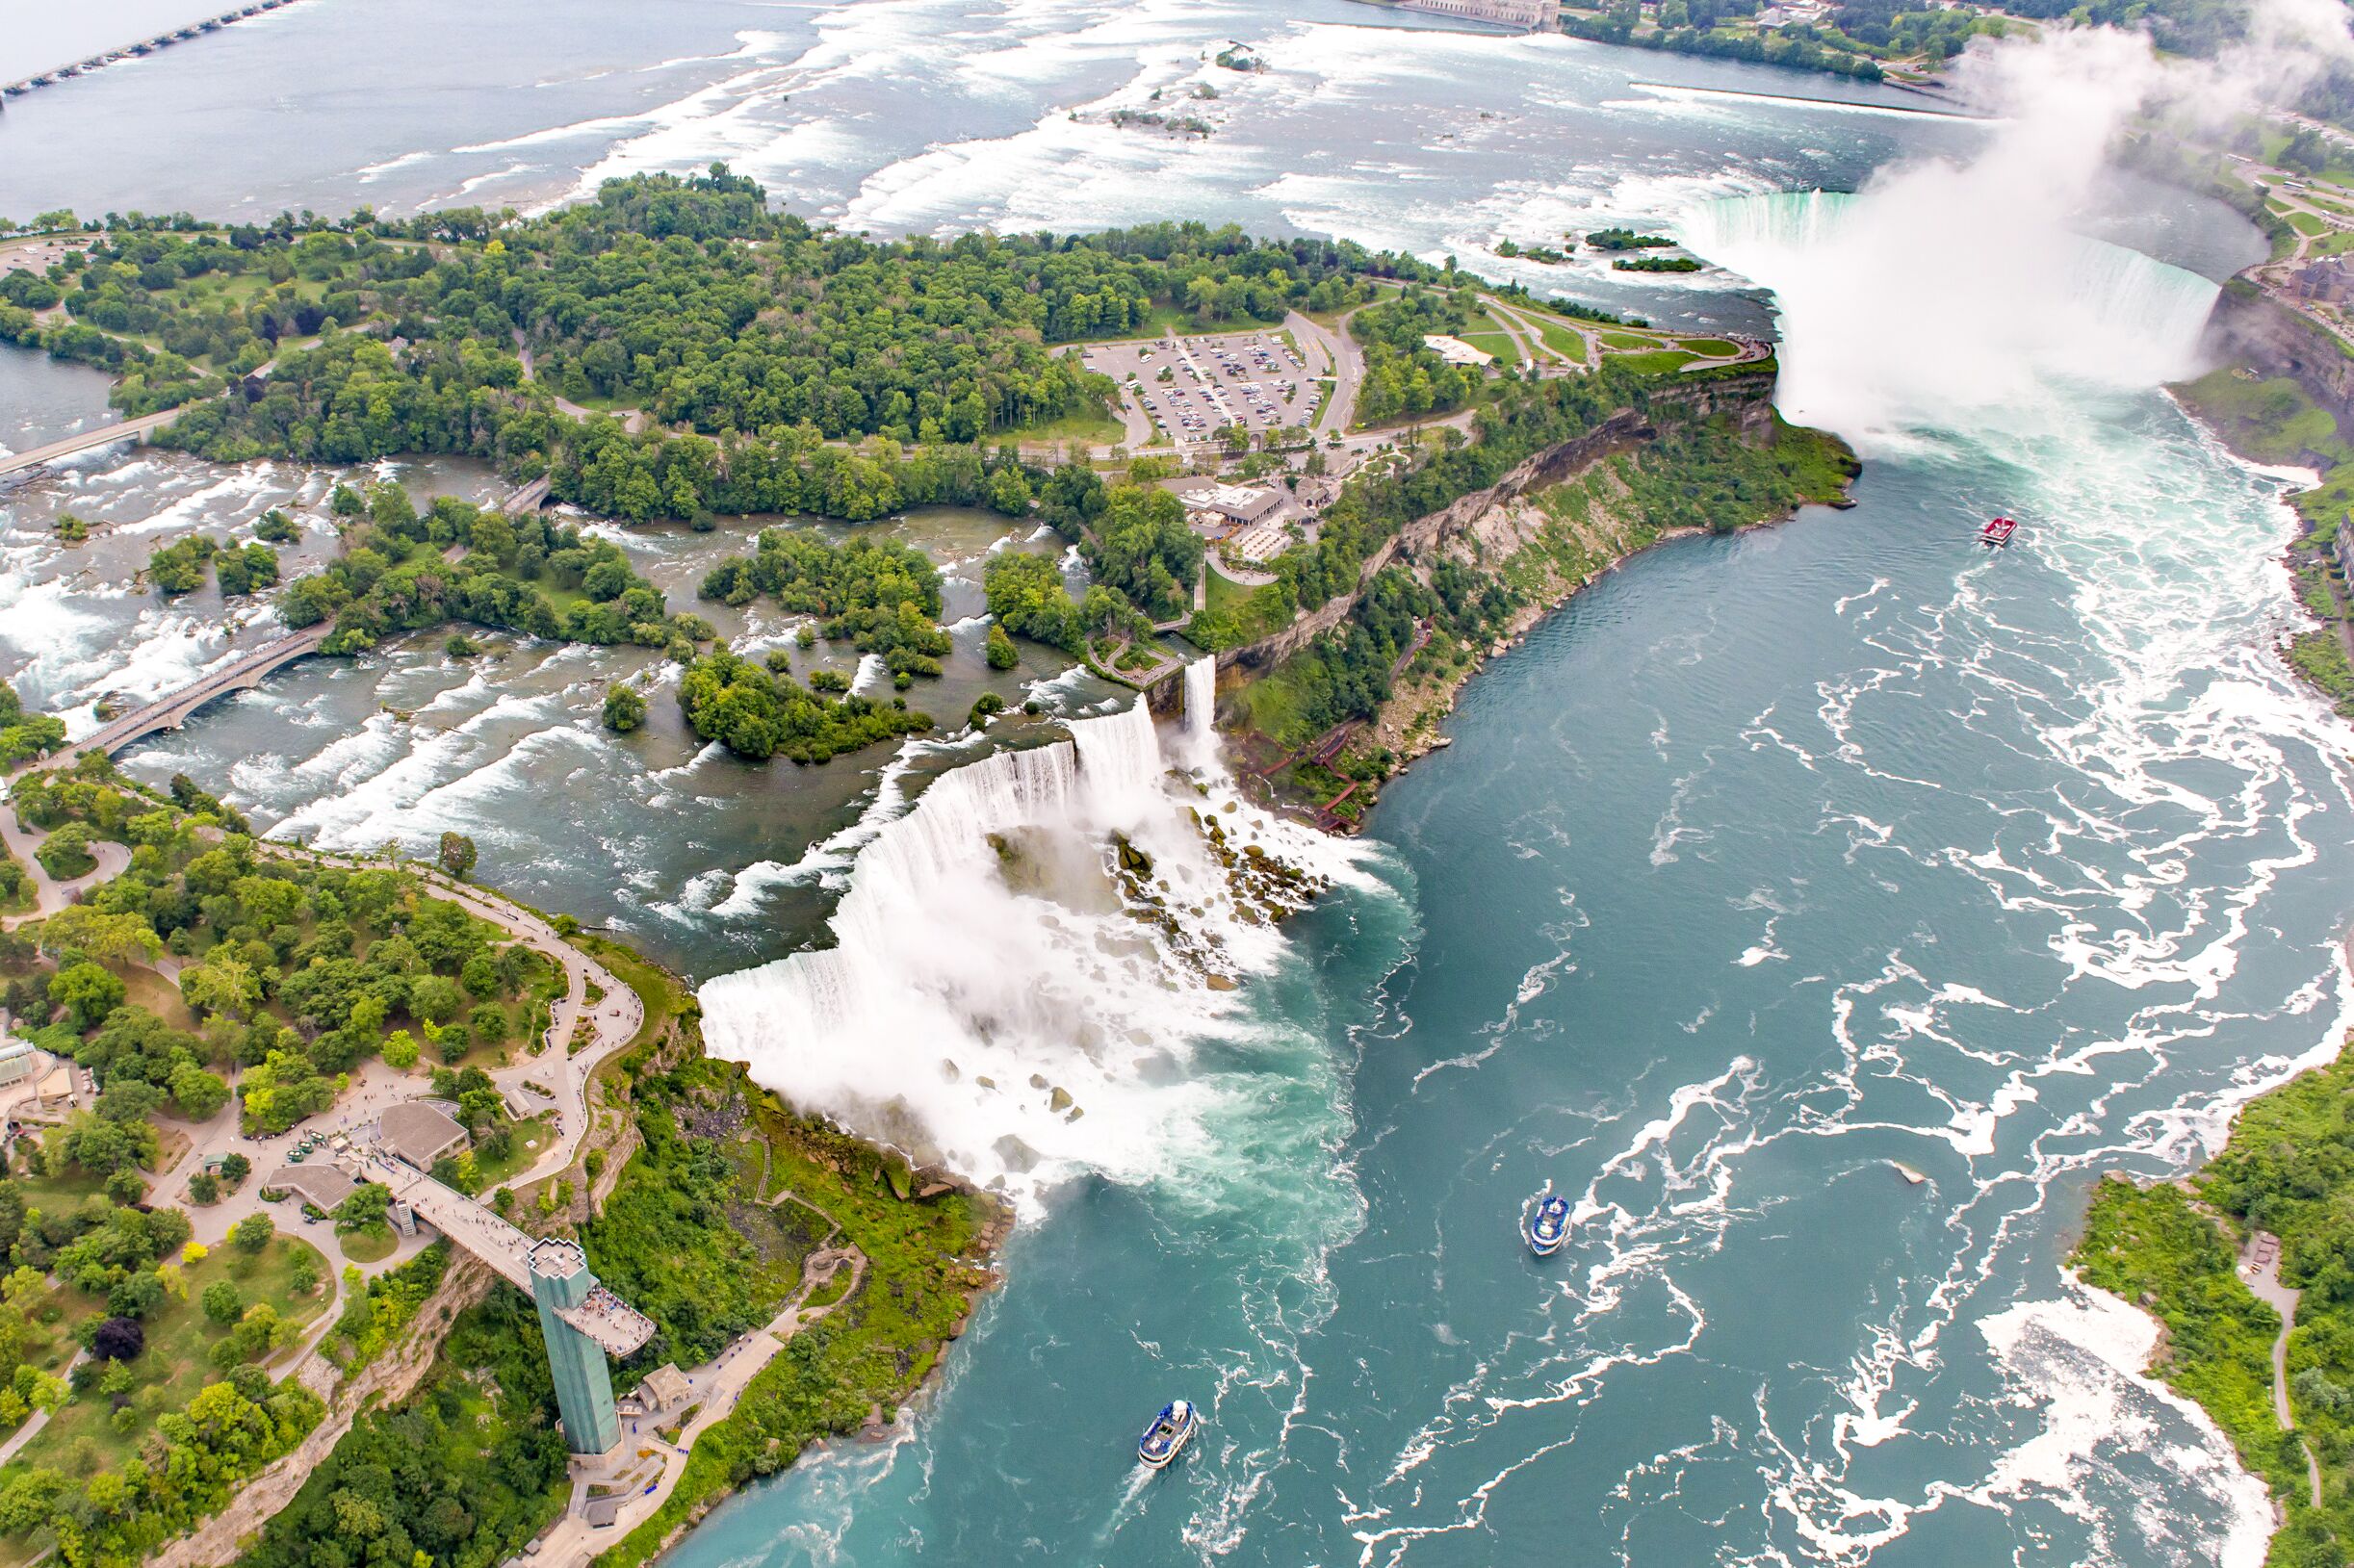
[[714, 1389], [2260, 1266]]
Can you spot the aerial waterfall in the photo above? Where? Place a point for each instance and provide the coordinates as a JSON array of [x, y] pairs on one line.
[[1921, 297], [1201, 717], [992, 999]]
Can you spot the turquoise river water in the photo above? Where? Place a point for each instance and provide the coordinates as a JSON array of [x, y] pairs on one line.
[[1821, 909]]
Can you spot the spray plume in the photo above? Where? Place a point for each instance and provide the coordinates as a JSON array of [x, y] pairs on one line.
[[1945, 287]]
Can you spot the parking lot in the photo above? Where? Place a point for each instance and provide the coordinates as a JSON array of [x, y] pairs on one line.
[[1192, 388]]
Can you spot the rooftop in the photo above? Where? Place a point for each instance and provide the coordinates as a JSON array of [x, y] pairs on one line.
[[323, 1186], [1454, 350], [419, 1133]]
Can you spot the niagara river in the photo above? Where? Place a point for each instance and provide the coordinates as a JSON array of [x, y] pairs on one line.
[[1822, 908]]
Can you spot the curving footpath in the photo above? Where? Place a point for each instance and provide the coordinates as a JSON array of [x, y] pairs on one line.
[[2260, 1266]]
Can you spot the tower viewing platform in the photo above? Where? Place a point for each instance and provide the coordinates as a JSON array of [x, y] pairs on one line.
[[580, 1320], [617, 1327]]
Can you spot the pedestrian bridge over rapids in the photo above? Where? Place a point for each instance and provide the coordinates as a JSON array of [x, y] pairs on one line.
[[172, 710], [138, 429]]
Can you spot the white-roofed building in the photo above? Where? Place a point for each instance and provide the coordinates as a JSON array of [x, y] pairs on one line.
[[1456, 352]]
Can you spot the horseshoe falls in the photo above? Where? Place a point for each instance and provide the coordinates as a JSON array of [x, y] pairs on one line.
[[1822, 907], [1919, 306]]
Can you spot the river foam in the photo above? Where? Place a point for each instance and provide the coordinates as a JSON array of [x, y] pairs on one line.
[[991, 1000]]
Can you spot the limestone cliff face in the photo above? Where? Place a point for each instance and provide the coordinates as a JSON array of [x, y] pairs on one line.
[[1749, 397], [2275, 340]]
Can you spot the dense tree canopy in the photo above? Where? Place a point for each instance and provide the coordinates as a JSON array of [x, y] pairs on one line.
[[749, 339]]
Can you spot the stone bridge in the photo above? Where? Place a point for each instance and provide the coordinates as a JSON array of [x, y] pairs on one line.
[[172, 710], [146, 47], [138, 429]]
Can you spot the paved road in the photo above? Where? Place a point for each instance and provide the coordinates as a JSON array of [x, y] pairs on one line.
[[1348, 364], [614, 1019], [49, 895]]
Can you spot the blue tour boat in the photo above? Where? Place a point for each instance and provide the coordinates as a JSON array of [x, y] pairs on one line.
[[1545, 1226], [1171, 1430]]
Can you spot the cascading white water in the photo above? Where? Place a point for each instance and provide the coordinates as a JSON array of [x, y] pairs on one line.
[[1200, 717], [1925, 295], [990, 1000]]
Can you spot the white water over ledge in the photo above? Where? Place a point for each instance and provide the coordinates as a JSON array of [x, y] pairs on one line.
[[1918, 305], [983, 961]]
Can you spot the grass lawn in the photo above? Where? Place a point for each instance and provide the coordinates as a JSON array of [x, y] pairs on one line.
[[1095, 426], [367, 1245], [2307, 224], [531, 1139], [147, 988], [176, 1362], [654, 988], [605, 402], [1497, 342], [1570, 346], [239, 288], [1223, 594], [1232, 615], [1710, 347], [61, 1193], [1658, 362], [1626, 341]]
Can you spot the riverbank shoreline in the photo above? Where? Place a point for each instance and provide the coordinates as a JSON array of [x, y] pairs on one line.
[[1545, 544], [1416, 716], [2206, 1257]]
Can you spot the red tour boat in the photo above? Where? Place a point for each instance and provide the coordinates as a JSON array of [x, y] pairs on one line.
[[1997, 532]]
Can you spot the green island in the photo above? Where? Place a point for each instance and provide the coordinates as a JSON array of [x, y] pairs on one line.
[[227, 1359], [671, 350], [2176, 1250]]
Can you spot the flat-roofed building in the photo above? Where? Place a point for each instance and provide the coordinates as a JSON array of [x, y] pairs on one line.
[[1456, 352], [419, 1134], [323, 1186], [1207, 499]]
